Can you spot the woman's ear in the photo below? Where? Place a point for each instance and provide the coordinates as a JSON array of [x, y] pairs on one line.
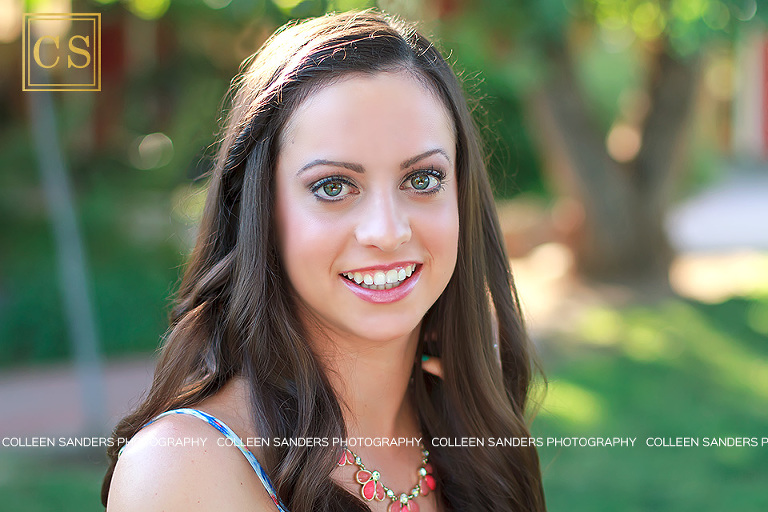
[[432, 365]]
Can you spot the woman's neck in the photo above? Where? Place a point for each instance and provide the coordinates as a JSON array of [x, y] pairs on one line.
[[372, 383]]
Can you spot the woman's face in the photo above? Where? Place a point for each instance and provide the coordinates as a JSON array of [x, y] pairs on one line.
[[367, 204]]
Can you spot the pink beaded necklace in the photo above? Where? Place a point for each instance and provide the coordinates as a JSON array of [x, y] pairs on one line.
[[373, 489]]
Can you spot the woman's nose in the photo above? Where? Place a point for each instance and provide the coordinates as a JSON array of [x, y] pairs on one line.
[[383, 224]]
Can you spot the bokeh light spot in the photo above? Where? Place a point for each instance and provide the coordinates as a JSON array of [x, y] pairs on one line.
[[151, 151], [623, 142], [746, 11], [149, 9], [689, 10], [648, 21], [217, 4]]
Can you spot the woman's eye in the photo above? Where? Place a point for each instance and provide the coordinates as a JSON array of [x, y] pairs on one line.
[[426, 181], [421, 182], [332, 188]]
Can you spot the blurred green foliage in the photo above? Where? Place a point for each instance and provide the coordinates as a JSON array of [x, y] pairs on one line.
[[180, 57]]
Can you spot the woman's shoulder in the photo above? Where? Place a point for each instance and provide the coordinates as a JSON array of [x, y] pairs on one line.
[[182, 463]]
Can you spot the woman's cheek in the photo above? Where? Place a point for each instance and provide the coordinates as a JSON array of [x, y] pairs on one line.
[[310, 244], [442, 233]]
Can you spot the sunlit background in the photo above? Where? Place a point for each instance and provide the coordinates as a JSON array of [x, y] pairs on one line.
[[628, 144]]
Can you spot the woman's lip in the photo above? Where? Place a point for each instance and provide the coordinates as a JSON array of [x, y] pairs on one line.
[[384, 296], [383, 267]]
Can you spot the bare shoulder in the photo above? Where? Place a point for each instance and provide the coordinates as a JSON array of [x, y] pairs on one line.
[[180, 463]]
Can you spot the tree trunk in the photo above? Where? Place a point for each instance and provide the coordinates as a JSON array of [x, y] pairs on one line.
[[70, 256], [620, 232]]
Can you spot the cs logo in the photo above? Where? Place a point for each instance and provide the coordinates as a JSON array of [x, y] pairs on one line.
[[62, 52]]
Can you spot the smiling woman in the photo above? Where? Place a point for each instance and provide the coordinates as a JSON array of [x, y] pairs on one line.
[[383, 203], [349, 231]]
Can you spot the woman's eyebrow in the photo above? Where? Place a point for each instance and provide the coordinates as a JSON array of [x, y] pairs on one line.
[[424, 155], [320, 161], [359, 168]]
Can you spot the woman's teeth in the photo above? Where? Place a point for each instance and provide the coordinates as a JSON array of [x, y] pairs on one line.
[[381, 279]]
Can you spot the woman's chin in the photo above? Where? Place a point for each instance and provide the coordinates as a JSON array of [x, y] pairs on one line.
[[383, 332]]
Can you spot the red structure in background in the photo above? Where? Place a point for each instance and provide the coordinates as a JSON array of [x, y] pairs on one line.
[[109, 108]]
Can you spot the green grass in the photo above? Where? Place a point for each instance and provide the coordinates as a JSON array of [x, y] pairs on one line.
[[35, 484], [678, 368]]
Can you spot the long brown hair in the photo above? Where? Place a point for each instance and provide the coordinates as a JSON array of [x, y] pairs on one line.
[[234, 316]]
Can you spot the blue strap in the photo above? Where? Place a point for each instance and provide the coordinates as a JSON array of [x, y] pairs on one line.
[[229, 434]]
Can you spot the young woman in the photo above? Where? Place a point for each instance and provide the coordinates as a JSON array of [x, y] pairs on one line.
[[349, 231]]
